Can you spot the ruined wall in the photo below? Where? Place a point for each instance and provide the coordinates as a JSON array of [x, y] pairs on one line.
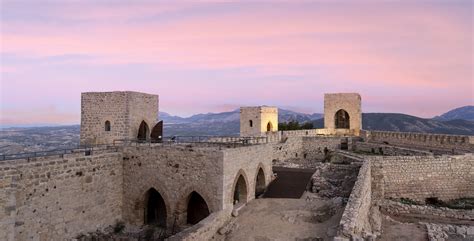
[[245, 161], [355, 221], [289, 147], [350, 102], [388, 150], [433, 142], [55, 198], [175, 172], [421, 177], [124, 109], [314, 147]]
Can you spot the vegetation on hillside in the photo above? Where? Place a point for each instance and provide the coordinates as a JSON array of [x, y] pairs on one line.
[[294, 125]]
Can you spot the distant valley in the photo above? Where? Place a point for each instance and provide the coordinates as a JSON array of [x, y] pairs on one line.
[[459, 121]]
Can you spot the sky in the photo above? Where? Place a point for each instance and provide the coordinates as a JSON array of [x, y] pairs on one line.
[[413, 57]]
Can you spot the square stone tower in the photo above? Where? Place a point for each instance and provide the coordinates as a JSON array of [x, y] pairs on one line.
[[109, 116], [256, 121], [343, 113]]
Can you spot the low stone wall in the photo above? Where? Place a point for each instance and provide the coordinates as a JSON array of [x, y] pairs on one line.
[[355, 221], [314, 147], [421, 177], [205, 229], [57, 198], [397, 208], [388, 150], [450, 143]]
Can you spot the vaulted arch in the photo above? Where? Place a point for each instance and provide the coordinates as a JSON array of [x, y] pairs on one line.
[[240, 188], [269, 126], [260, 182], [155, 208]]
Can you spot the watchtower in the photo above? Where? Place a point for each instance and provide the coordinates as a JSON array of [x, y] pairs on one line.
[[256, 121], [109, 116], [343, 113]]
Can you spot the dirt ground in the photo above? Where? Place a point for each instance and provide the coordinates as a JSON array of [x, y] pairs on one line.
[[398, 231], [308, 218]]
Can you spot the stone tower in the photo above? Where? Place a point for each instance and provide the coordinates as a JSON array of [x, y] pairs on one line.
[[109, 116], [343, 113], [256, 121]]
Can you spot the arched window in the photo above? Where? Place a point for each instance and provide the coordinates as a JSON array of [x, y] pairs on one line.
[[342, 119], [251, 123], [107, 126]]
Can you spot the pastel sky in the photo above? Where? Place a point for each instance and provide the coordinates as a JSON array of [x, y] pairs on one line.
[[413, 57]]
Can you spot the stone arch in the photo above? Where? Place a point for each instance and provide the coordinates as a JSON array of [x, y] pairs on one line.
[[260, 181], [240, 188], [141, 204], [342, 119], [143, 131], [197, 208], [107, 125], [199, 198], [155, 211], [269, 126]]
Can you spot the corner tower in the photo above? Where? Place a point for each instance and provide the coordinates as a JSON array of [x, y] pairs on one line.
[[109, 116], [256, 121], [343, 113]]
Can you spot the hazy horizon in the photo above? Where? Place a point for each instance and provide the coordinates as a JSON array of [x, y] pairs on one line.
[[412, 57]]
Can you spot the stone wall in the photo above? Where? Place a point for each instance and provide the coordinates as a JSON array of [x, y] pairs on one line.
[[245, 161], [356, 220], [205, 229], [57, 198], [398, 208], [125, 110], [175, 172], [433, 142], [313, 147], [388, 150], [421, 177]]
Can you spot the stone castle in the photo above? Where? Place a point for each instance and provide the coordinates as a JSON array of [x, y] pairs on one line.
[[128, 172]]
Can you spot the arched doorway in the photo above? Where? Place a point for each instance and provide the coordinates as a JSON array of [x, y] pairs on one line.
[[157, 132], [260, 183], [197, 208], [155, 209], [269, 126], [143, 131], [240, 191], [342, 120]]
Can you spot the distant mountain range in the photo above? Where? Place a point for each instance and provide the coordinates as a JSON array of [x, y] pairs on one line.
[[458, 121], [461, 113]]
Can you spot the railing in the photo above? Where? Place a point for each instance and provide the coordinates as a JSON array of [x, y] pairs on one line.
[[90, 149], [87, 150], [211, 140]]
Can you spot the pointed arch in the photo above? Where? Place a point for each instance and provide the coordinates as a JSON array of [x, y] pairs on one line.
[[197, 209], [269, 126], [155, 208], [240, 188], [260, 183], [342, 119], [143, 131]]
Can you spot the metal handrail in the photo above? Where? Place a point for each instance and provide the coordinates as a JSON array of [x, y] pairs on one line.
[[234, 141]]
